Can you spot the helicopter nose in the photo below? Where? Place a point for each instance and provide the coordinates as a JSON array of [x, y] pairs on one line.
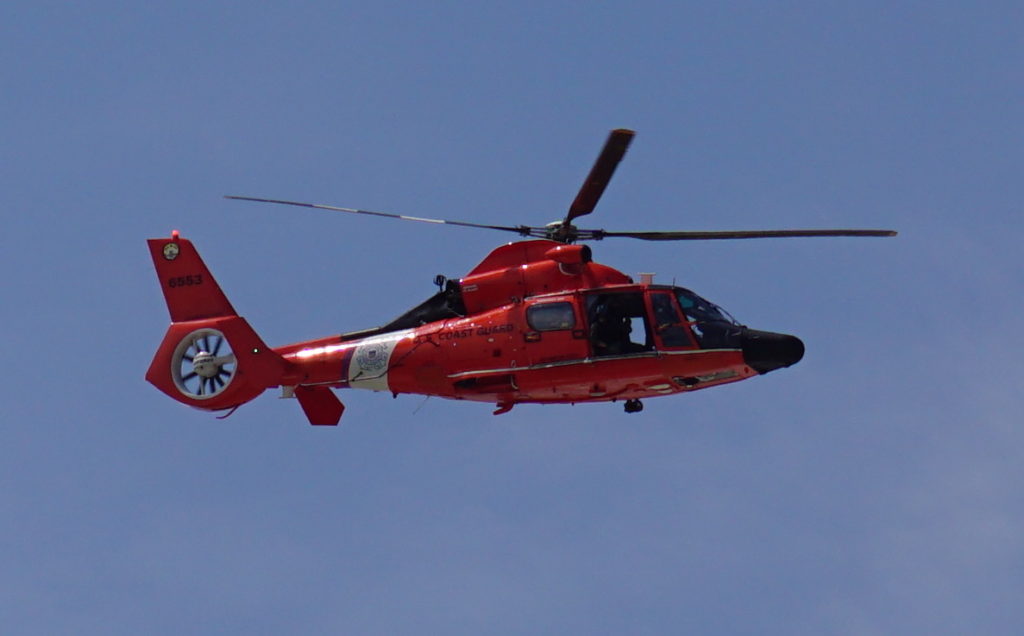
[[766, 351]]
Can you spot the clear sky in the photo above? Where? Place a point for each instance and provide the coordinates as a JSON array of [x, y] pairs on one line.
[[874, 488]]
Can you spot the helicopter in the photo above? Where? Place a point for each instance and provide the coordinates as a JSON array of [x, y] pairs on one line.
[[536, 321]]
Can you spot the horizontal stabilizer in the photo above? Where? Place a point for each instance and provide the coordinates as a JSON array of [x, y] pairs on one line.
[[320, 404]]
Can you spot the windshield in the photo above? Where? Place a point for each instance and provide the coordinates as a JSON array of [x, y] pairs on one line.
[[700, 309], [713, 326]]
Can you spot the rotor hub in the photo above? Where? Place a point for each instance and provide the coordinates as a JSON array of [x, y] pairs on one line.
[[205, 364], [561, 231]]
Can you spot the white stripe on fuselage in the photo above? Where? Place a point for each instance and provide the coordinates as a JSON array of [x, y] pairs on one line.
[[368, 368]]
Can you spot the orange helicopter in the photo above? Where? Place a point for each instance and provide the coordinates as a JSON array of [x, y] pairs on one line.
[[536, 321]]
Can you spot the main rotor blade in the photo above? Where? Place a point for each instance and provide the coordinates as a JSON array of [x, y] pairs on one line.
[[592, 189], [522, 230], [597, 235]]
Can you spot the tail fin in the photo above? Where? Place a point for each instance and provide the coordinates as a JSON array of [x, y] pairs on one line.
[[210, 357], [189, 289]]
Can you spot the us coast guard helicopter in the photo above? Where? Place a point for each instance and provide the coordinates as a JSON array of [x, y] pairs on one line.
[[537, 320]]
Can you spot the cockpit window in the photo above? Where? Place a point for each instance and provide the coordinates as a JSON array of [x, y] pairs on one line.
[[712, 325], [700, 309]]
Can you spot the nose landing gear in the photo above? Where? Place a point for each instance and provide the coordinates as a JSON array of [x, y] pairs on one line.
[[634, 406]]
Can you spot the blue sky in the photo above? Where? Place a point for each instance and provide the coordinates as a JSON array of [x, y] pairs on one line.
[[872, 489]]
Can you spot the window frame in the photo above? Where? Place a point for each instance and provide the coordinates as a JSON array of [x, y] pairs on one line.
[[545, 305]]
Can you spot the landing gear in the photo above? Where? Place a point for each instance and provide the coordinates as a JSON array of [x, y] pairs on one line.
[[634, 406]]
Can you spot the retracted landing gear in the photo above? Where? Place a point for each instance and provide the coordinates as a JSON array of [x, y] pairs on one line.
[[634, 406]]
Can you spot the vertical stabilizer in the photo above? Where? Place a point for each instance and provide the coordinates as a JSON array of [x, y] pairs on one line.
[[189, 289]]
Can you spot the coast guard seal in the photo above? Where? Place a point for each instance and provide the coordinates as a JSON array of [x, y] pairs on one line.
[[372, 357]]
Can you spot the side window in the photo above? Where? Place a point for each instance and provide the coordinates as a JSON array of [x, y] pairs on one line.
[[551, 316], [618, 324]]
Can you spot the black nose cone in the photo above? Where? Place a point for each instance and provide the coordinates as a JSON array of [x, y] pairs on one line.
[[765, 351]]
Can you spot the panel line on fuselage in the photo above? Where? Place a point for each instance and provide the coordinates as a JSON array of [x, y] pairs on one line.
[[591, 360]]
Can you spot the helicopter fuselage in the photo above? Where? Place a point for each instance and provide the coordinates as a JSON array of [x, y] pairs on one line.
[[498, 356]]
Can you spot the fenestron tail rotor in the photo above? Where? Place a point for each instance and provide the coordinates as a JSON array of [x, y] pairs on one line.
[[586, 200], [203, 364]]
